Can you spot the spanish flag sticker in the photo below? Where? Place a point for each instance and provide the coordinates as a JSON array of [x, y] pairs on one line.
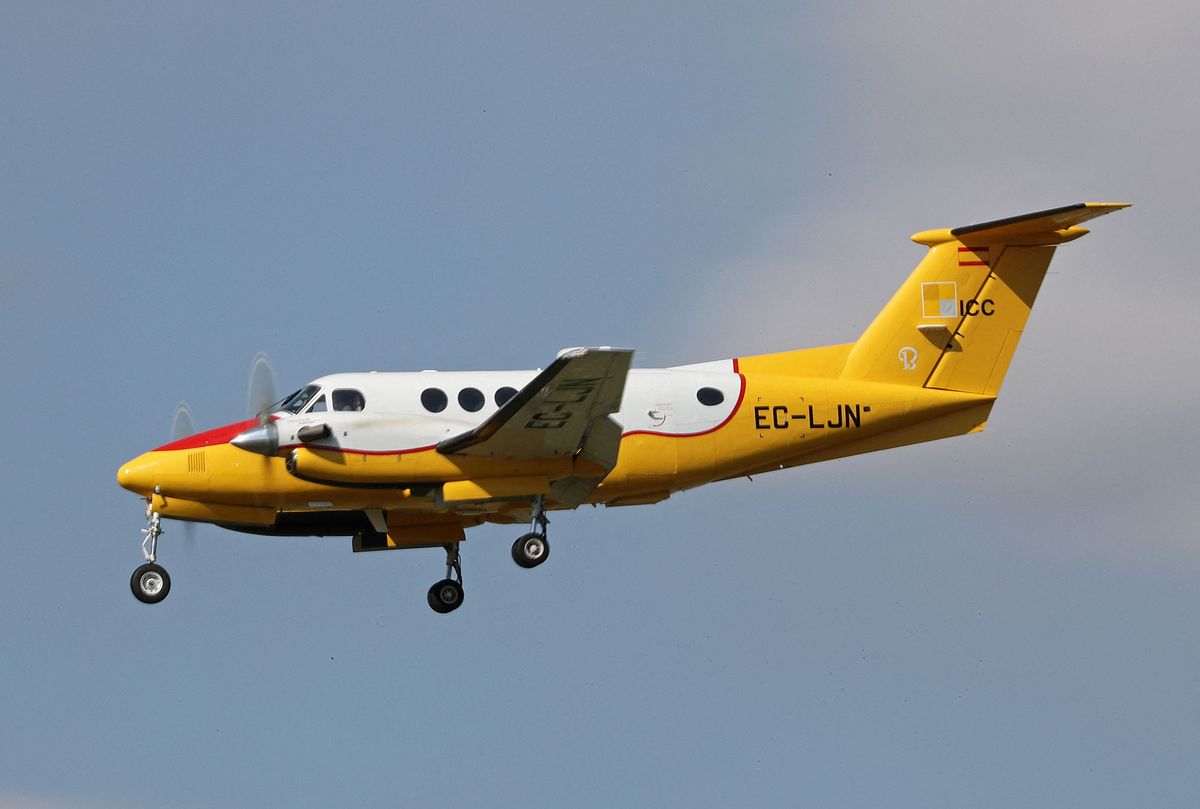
[[973, 257]]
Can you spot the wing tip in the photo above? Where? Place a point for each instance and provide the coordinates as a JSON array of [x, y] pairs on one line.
[[580, 351]]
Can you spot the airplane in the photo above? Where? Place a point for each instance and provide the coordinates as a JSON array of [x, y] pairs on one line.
[[412, 460]]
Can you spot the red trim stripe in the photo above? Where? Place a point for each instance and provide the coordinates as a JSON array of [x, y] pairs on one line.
[[351, 451], [217, 435]]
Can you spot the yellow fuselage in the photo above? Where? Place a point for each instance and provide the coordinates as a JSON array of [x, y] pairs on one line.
[[792, 409]]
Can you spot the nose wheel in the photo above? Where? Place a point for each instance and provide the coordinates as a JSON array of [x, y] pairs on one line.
[[150, 583], [447, 594]]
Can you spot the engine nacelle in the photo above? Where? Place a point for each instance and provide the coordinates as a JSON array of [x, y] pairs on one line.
[[424, 466]]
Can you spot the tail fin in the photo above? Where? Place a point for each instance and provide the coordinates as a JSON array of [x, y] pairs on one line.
[[955, 322]]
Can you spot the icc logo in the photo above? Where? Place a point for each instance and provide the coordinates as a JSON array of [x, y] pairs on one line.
[[908, 358]]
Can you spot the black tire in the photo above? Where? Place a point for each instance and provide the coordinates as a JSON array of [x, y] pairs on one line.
[[530, 550], [445, 596], [150, 583]]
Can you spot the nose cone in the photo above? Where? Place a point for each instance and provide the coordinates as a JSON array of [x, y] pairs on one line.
[[263, 439], [138, 475]]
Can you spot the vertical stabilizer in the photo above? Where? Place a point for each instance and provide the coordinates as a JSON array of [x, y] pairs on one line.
[[955, 323]]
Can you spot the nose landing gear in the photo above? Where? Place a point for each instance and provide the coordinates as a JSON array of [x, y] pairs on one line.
[[150, 583]]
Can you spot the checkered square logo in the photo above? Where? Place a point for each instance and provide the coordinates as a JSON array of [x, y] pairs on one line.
[[939, 299]]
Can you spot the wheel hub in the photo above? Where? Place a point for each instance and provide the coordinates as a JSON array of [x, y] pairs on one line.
[[151, 583]]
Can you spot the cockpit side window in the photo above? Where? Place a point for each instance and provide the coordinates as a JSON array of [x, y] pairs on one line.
[[349, 400], [296, 402], [318, 405]]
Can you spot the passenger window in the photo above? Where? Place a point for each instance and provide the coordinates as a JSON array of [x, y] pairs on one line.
[[710, 397], [318, 405], [348, 400], [471, 399], [434, 399], [504, 394]]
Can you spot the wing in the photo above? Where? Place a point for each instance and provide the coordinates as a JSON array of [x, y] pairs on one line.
[[550, 416]]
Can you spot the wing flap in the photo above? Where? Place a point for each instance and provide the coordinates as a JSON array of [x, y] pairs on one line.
[[550, 416]]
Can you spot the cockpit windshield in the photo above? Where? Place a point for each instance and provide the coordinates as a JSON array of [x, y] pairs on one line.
[[296, 402]]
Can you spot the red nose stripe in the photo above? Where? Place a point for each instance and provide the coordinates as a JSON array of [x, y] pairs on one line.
[[219, 435]]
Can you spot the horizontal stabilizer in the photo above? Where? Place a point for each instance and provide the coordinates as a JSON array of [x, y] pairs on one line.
[[1037, 223]]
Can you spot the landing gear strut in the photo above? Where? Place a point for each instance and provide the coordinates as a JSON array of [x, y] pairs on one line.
[[447, 594], [531, 549], [150, 583]]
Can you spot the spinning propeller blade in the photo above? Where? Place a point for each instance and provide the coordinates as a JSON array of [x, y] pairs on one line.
[[182, 425], [260, 390], [260, 395]]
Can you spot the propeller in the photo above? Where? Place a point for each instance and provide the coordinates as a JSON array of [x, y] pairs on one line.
[[260, 396], [183, 425], [260, 390]]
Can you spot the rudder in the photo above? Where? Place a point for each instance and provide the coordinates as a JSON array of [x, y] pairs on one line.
[[976, 356]]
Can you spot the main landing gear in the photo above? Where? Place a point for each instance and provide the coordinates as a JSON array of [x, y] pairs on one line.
[[531, 549], [447, 594], [150, 582]]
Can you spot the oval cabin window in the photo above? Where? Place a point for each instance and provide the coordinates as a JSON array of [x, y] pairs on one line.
[[434, 399], [471, 399], [710, 396], [504, 394]]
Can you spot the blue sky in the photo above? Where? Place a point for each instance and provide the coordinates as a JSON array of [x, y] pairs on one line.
[[1004, 619]]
